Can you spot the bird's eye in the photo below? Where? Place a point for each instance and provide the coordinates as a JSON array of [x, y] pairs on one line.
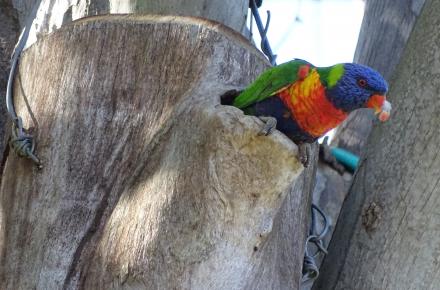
[[362, 83]]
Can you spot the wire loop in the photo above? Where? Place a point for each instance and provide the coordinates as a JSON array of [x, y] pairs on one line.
[[310, 268], [23, 144]]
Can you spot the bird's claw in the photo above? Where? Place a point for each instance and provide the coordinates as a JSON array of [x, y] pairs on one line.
[[305, 152], [270, 124]]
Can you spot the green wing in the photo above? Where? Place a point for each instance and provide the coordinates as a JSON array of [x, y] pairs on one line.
[[269, 82]]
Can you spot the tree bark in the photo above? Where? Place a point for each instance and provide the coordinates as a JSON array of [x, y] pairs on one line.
[[394, 242], [53, 14], [9, 28], [148, 182], [383, 36]]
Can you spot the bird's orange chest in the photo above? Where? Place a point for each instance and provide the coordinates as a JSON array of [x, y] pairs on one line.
[[309, 106]]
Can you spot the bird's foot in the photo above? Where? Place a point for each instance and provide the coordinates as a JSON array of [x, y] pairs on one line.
[[305, 152], [270, 124]]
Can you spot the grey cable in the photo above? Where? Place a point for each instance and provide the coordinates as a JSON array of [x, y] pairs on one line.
[[310, 269], [22, 143]]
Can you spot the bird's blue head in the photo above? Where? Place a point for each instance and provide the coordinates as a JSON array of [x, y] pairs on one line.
[[352, 86]]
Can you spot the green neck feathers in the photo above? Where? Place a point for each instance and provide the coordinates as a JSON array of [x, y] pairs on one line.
[[330, 75]]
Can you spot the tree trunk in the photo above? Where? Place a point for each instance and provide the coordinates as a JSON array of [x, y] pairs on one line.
[[53, 14], [148, 182], [9, 28], [384, 33], [394, 242]]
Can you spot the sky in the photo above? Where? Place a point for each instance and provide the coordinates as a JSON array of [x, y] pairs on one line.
[[323, 32]]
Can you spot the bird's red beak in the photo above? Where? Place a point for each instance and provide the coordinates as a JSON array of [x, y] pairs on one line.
[[381, 106]]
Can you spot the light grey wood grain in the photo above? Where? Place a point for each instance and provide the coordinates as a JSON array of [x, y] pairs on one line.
[[388, 236], [148, 182], [53, 14]]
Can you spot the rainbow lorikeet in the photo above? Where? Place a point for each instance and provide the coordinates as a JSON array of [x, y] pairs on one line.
[[304, 102]]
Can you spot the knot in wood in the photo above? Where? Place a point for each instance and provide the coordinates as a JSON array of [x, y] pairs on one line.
[[371, 217]]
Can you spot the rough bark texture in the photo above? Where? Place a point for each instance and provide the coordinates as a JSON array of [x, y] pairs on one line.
[[384, 33], [148, 183], [395, 243], [53, 14], [8, 34]]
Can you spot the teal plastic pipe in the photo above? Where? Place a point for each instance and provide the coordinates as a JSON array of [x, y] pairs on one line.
[[345, 157]]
